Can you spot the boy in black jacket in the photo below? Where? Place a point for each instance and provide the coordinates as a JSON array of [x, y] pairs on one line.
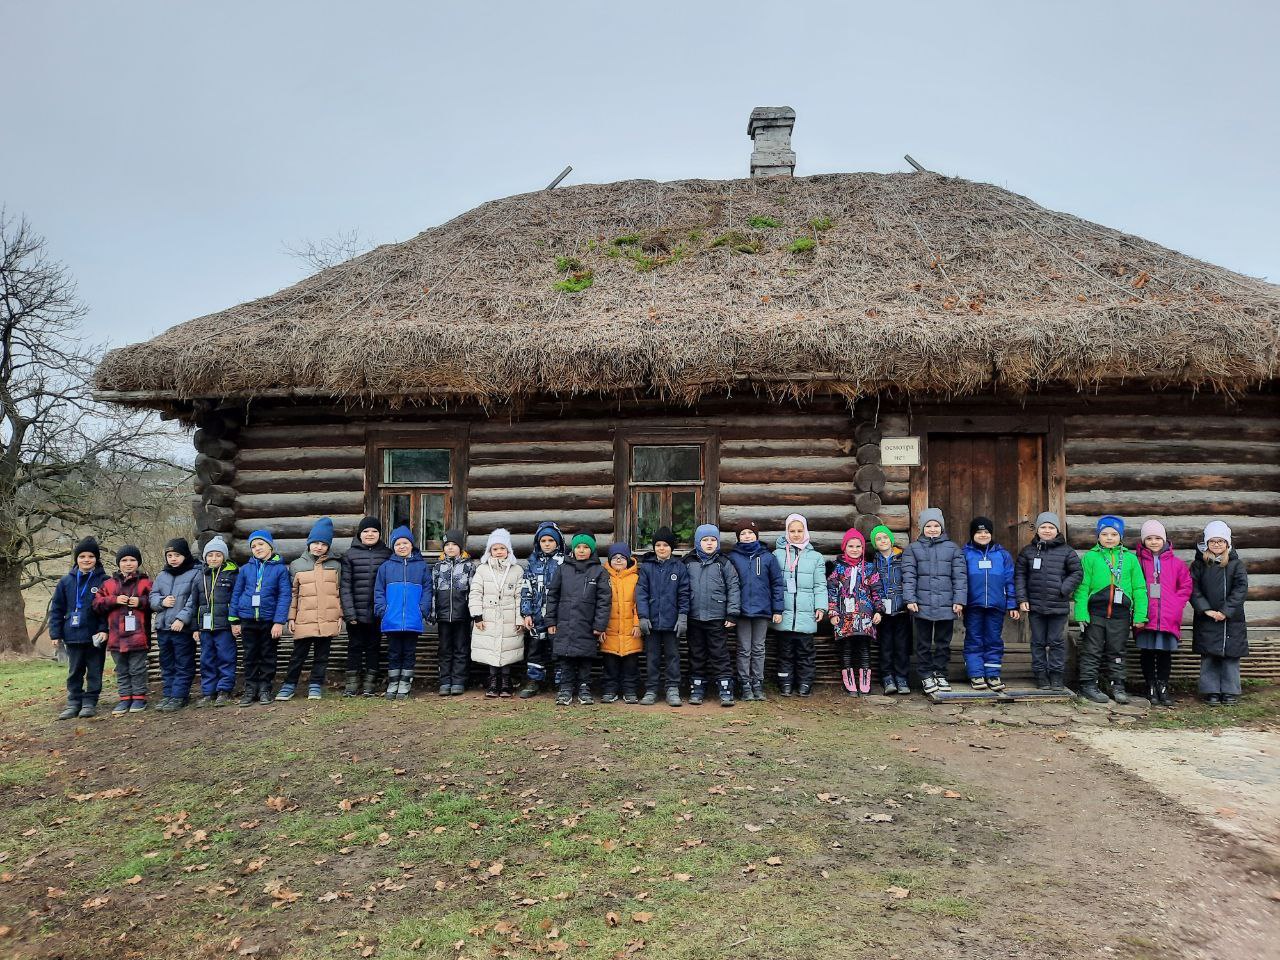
[[662, 603], [452, 574], [80, 629], [1045, 580], [715, 602], [364, 636], [579, 601]]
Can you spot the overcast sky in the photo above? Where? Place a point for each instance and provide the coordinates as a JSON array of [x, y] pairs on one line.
[[170, 150]]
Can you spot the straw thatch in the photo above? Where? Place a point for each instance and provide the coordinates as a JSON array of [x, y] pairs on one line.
[[914, 281]]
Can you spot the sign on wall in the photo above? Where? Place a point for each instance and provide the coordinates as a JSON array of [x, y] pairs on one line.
[[900, 451]]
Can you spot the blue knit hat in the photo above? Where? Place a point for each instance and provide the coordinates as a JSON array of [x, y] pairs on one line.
[[706, 530], [262, 535], [1115, 523], [321, 532], [620, 549], [401, 533]]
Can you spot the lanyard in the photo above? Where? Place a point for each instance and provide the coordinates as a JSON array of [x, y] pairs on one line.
[[1117, 570], [80, 591], [791, 566], [1156, 564], [262, 569]]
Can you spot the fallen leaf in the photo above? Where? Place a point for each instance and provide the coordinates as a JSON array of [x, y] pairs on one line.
[[774, 861], [951, 794], [612, 919], [643, 916], [96, 903], [753, 828], [878, 818], [898, 893], [682, 877], [609, 846], [495, 868], [135, 879], [277, 803]]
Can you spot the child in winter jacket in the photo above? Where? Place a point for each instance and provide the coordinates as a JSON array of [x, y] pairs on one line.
[[894, 629], [935, 585], [402, 604], [622, 639], [855, 608], [173, 603], [715, 602], [804, 604], [544, 564], [579, 600], [215, 584], [451, 576], [80, 629], [662, 602], [360, 566], [260, 606], [992, 596], [763, 600], [123, 599], [1168, 590], [315, 611], [494, 603], [1048, 572], [1219, 633], [1111, 598]]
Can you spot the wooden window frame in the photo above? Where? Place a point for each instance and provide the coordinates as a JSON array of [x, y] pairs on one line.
[[430, 437], [674, 435]]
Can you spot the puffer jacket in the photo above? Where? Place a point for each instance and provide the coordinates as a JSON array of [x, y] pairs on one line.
[[1221, 587], [889, 569], [402, 592], [270, 579], [120, 639], [1095, 590], [662, 591], [804, 586], [621, 635], [714, 590], [990, 586], [853, 598], [579, 600], [539, 572], [360, 565], [494, 600], [74, 595], [1168, 589], [316, 607], [452, 586], [213, 595], [180, 586], [759, 578], [934, 576], [1049, 586]]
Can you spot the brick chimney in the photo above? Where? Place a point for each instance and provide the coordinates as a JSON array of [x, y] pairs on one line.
[[770, 128]]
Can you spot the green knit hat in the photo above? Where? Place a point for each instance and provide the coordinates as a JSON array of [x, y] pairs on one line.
[[586, 538], [881, 528]]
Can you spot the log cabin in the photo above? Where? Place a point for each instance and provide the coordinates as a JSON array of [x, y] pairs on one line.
[[853, 347]]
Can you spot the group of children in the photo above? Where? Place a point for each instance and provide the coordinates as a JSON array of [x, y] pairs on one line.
[[564, 608]]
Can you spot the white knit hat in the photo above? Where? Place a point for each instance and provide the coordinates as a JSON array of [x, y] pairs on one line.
[[1218, 529], [501, 536]]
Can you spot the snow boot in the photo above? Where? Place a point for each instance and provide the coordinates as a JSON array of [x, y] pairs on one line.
[[353, 684], [495, 684], [673, 697], [1042, 681], [70, 712], [264, 693], [726, 693], [121, 708], [696, 693], [784, 684], [584, 694], [649, 699], [748, 694], [1118, 692], [757, 687], [1162, 692], [393, 684], [806, 690], [368, 681], [564, 695], [849, 680], [405, 685], [531, 688], [88, 711], [1056, 684], [1089, 690], [864, 680], [505, 685]]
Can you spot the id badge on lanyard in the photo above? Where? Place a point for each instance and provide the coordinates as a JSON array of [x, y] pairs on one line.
[[1154, 590], [850, 605], [130, 622], [208, 621], [791, 583], [888, 605], [75, 619], [1035, 564]]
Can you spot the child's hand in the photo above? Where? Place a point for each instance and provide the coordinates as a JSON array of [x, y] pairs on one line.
[[635, 632], [168, 602], [479, 625], [133, 601], [913, 607], [551, 630], [195, 634], [177, 626], [122, 600], [528, 624], [1216, 615], [1014, 615], [99, 639], [957, 608], [876, 618], [277, 630], [817, 615], [292, 629], [777, 618], [1024, 607], [235, 630], [729, 624]]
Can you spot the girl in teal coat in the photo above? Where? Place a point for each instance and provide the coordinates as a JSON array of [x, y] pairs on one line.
[[804, 583]]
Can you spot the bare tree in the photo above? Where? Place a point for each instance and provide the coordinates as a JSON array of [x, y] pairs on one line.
[[69, 465], [329, 252]]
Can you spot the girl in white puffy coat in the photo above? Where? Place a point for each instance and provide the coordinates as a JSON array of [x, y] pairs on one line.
[[497, 638]]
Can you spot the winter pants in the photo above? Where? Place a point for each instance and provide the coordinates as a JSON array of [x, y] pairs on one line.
[[983, 641], [795, 658], [537, 656], [84, 672], [662, 659], [363, 640], [708, 651], [177, 650], [260, 652], [131, 674], [454, 656], [621, 674], [574, 671], [1220, 675], [894, 633], [217, 661], [319, 666], [855, 651], [1102, 649], [933, 646], [1156, 666], [751, 634], [402, 651], [1048, 643]]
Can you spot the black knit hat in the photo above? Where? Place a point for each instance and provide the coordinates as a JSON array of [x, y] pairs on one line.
[[366, 523], [128, 550], [981, 523], [455, 536], [665, 535], [87, 545], [747, 525]]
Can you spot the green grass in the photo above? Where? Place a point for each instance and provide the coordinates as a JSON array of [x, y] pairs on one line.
[[1259, 705], [763, 223], [802, 244], [576, 283], [821, 223]]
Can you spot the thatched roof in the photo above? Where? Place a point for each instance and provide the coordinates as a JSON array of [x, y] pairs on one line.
[[914, 281]]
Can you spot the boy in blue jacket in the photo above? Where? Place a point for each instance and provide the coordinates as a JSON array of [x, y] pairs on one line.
[[260, 605], [544, 563], [81, 631], [990, 569], [215, 586], [402, 604], [760, 579], [662, 603]]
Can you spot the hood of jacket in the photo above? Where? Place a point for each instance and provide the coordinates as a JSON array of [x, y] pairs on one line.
[[548, 529]]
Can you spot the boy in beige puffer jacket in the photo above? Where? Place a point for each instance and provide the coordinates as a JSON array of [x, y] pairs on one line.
[[315, 613]]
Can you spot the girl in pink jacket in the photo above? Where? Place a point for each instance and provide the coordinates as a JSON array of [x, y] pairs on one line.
[[1168, 591]]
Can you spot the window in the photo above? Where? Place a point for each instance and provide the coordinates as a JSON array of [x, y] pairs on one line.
[[415, 490], [666, 489]]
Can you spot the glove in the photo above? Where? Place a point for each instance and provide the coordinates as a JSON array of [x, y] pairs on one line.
[[646, 627], [682, 626]]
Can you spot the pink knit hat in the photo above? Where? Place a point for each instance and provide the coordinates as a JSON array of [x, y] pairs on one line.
[[853, 534], [1153, 528]]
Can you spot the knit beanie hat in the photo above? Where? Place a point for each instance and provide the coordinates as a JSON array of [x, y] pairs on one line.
[[1153, 528], [747, 525], [499, 537], [367, 523], [402, 533], [263, 535], [321, 532], [218, 544], [706, 530], [879, 529], [665, 535], [179, 545], [586, 538], [932, 513], [87, 545], [1049, 517], [1115, 523], [853, 534], [1218, 530], [458, 537], [981, 523], [620, 549], [128, 550]]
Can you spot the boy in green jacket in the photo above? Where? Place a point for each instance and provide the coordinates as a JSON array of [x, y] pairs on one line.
[[1111, 598]]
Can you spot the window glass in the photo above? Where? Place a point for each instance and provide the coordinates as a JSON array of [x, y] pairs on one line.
[[416, 466], [655, 464]]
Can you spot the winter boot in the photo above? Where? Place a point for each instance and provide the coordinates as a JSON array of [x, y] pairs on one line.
[[249, 695], [673, 697], [314, 691], [531, 688], [505, 686], [805, 690], [564, 695], [205, 701], [444, 690], [784, 684], [584, 694], [629, 696], [1089, 690], [353, 684], [904, 686], [1212, 699], [181, 703], [121, 708], [757, 687], [1162, 691], [222, 699], [1042, 681], [649, 699], [849, 680], [1056, 683], [88, 711], [405, 685], [726, 693], [393, 684], [1118, 692], [748, 694], [165, 705], [696, 693], [608, 697], [264, 693], [286, 692], [457, 690], [368, 683], [864, 680], [995, 683], [70, 712], [890, 686], [495, 684]]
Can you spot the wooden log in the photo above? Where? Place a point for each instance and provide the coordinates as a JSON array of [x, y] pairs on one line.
[[868, 503], [215, 426], [866, 432], [541, 498], [870, 476], [300, 458], [591, 521], [1163, 427], [307, 504], [269, 436], [824, 517], [1166, 503], [786, 469], [794, 448], [1175, 477], [869, 453], [292, 481], [344, 525], [218, 448], [213, 471], [540, 474], [1202, 451], [485, 454], [785, 494], [198, 485], [219, 495], [1248, 533], [896, 493], [895, 425]]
